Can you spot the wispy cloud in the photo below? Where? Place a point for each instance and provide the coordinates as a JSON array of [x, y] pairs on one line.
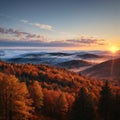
[[39, 25], [35, 24], [20, 35], [24, 21]]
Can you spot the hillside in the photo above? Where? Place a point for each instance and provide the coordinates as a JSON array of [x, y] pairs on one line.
[[107, 70], [50, 77], [74, 64], [88, 56], [60, 54], [48, 89]]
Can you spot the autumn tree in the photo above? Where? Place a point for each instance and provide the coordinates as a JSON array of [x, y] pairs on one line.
[[37, 95], [50, 103], [62, 106], [83, 108], [14, 99], [105, 101]]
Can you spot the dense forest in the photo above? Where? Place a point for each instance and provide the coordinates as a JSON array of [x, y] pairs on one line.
[[42, 92]]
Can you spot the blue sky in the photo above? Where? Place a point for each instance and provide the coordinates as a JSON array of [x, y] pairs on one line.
[[86, 22]]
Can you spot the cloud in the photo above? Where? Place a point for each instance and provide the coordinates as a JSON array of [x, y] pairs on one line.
[[20, 38], [35, 43], [87, 41], [43, 26], [2, 30], [24, 21], [39, 25], [20, 34]]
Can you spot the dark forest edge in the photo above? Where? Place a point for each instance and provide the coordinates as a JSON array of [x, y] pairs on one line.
[[41, 92]]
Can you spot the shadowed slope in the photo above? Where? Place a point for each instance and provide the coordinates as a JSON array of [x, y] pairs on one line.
[[109, 69]]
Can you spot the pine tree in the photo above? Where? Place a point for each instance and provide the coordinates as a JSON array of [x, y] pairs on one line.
[[115, 110], [14, 99], [83, 108], [105, 101], [37, 95]]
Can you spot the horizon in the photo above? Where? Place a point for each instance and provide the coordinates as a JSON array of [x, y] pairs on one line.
[[71, 25]]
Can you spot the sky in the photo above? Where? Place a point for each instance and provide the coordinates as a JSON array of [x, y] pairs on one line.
[[72, 24]]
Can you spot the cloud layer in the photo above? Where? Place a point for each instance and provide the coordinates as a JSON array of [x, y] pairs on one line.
[[87, 41], [21, 38]]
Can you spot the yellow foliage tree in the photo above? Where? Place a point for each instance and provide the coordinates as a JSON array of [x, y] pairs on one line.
[[37, 95], [14, 99]]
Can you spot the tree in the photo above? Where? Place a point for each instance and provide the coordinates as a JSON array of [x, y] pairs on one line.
[[83, 108], [62, 106], [115, 110], [14, 99], [105, 101], [37, 95]]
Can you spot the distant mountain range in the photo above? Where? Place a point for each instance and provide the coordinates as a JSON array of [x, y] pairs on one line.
[[106, 70], [58, 59], [53, 58], [95, 64]]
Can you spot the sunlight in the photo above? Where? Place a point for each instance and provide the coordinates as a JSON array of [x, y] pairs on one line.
[[114, 49]]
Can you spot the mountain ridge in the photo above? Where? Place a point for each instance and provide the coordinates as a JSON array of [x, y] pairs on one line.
[[73, 64], [106, 70]]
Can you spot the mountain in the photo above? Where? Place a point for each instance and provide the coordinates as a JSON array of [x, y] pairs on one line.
[[106, 70], [59, 54], [36, 60], [37, 54], [88, 56], [25, 60], [29, 55], [74, 64]]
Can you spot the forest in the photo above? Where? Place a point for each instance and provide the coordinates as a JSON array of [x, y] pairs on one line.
[[42, 92]]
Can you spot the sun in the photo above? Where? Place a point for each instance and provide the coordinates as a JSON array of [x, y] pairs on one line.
[[114, 49]]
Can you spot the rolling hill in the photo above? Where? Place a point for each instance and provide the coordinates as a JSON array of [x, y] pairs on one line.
[[50, 77], [74, 64], [60, 54], [88, 56], [106, 70]]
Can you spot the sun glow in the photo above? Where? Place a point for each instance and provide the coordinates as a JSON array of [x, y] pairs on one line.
[[114, 49]]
